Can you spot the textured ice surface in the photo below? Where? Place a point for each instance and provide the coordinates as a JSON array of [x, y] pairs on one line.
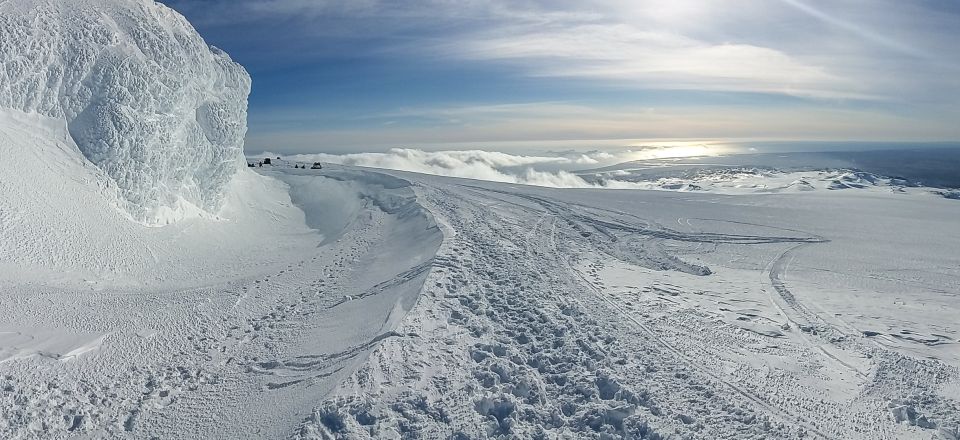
[[142, 94]]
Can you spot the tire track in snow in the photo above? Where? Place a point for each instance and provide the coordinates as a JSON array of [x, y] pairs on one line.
[[781, 414], [814, 324], [564, 213]]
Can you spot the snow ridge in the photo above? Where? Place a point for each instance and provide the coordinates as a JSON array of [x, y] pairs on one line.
[[143, 96]]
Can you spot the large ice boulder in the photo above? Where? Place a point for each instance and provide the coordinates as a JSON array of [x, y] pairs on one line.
[[143, 96]]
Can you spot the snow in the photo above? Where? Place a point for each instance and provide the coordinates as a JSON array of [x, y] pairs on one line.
[[557, 313], [746, 180], [144, 98], [114, 328], [357, 303], [60, 223], [350, 302], [20, 343]]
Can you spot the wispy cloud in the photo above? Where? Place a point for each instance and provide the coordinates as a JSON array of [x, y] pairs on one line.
[[657, 60], [859, 30], [793, 47], [857, 69], [555, 123]]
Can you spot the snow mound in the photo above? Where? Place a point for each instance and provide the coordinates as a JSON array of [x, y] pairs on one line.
[[143, 97], [59, 225]]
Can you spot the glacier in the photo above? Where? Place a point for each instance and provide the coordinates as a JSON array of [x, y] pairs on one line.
[[143, 96]]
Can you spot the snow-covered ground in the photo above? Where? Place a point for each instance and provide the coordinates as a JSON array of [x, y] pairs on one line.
[[587, 313], [151, 286], [351, 302], [113, 328]]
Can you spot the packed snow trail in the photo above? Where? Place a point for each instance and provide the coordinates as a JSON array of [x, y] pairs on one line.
[[540, 361], [519, 334]]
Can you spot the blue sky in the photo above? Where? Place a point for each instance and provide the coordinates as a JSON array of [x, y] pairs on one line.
[[367, 75]]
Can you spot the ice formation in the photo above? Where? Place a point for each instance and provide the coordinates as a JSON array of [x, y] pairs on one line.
[[143, 96]]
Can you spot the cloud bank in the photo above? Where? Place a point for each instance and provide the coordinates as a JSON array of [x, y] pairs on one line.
[[547, 170]]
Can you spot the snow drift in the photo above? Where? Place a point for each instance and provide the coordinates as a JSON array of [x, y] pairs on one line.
[[144, 98], [108, 104]]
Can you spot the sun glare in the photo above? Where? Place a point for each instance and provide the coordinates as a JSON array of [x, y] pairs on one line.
[[680, 149]]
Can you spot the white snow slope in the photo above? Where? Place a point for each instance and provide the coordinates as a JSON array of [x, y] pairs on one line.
[[143, 97], [233, 327], [119, 322]]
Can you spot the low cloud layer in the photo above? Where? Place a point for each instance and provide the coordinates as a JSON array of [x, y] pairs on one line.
[[545, 170]]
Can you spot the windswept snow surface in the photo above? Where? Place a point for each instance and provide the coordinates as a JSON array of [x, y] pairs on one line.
[[143, 97], [354, 303], [376, 304], [558, 313]]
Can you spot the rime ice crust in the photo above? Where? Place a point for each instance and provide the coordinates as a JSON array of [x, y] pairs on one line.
[[144, 97]]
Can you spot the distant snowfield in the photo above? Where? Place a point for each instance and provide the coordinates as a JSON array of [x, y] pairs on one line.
[[675, 175], [359, 303]]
